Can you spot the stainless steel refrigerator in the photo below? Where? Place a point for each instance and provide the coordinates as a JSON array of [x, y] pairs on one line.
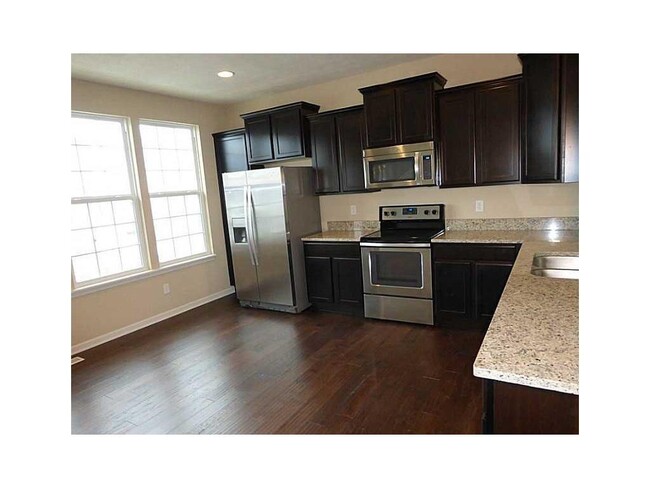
[[269, 211]]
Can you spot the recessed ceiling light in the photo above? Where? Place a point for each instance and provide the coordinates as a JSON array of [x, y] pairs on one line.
[[225, 74]]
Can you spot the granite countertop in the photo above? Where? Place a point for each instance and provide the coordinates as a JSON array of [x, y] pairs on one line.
[[532, 339], [338, 236]]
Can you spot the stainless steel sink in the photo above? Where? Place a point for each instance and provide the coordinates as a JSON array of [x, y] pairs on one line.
[[555, 266]]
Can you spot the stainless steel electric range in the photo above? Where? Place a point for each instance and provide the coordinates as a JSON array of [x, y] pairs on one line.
[[396, 262]]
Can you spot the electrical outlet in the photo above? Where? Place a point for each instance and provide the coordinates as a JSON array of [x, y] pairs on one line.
[[479, 205], [353, 209], [166, 289]]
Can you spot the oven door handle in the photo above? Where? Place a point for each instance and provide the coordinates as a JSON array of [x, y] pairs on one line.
[[396, 245]]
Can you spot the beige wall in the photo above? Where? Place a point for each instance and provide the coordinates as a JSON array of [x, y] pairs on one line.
[[459, 69], [106, 311], [558, 200]]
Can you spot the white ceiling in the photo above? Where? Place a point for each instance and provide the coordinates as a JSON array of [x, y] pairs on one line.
[[194, 76]]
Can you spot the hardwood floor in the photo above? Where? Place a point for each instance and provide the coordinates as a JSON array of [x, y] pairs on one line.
[[223, 369]]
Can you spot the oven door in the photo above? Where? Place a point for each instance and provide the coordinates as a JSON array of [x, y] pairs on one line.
[[402, 270]]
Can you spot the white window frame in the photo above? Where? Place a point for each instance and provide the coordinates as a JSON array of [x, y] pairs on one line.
[[200, 191], [134, 197]]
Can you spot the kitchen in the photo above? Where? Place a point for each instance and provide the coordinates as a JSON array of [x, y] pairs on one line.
[[436, 234]]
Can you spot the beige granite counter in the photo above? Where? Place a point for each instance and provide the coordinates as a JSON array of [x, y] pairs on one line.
[[338, 236], [533, 337]]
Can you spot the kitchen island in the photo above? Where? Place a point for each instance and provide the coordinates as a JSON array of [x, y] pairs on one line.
[[532, 339]]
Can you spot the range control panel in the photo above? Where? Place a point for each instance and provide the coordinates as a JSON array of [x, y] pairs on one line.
[[411, 212]]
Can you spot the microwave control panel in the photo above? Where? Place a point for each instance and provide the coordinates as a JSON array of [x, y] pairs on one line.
[[411, 212]]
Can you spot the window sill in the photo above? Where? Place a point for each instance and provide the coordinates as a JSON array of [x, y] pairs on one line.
[[143, 275]]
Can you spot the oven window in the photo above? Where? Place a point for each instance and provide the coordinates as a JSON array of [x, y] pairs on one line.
[[396, 269], [387, 170]]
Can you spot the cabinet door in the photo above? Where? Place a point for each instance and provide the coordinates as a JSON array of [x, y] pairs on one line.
[[349, 132], [569, 118], [415, 112], [456, 119], [324, 155], [498, 133], [540, 159], [258, 139], [287, 134], [231, 152], [490, 280], [348, 281], [319, 279], [452, 292], [380, 116]]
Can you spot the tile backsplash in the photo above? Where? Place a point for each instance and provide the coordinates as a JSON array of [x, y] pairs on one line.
[[524, 223]]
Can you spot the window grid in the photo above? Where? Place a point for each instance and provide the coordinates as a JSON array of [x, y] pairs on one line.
[[175, 225], [173, 175], [115, 225], [114, 169]]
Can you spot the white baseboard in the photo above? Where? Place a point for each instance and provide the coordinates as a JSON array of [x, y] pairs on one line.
[[149, 321]]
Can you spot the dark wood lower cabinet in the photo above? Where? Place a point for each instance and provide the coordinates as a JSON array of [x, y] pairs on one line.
[[453, 291], [516, 409], [334, 281], [490, 279], [319, 279], [468, 280]]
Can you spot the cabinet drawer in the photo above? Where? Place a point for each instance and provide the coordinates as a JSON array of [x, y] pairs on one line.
[[334, 250], [476, 252]]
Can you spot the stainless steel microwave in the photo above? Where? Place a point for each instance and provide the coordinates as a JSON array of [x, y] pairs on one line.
[[397, 166]]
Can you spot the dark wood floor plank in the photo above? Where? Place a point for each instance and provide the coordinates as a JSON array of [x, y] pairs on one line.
[[223, 369]]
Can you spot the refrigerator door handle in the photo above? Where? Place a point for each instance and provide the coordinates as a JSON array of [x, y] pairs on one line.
[[249, 237], [252, 238]]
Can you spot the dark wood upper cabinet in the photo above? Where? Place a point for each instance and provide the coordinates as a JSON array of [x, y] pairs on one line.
[[258, 138], [324, 154], [550, 100], [337, 152], [349, 134], [498, 132], [287, 134], [230, 150], [569, 119], [479, 129], [278, 133], [415, 112], [401, 112], [456, 136], [381, 120]]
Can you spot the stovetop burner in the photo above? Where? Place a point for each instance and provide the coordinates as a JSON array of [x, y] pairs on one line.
[[408, 224], [402, 236]]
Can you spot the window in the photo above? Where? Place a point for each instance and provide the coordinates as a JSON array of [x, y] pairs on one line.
[[175, 190], [106, 229], [109, 238]]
